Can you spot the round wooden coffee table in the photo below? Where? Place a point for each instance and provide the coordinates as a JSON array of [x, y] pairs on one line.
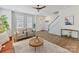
[[36, 42]]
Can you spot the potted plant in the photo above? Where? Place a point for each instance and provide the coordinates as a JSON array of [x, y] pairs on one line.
[[4, 26]]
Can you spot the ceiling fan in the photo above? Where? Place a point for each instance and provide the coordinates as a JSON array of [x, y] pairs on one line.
[[38, 8]]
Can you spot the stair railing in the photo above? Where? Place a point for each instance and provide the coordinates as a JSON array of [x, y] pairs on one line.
[[52, 22]]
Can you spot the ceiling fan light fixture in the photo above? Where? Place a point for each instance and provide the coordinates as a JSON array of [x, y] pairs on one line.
[[38, 8]]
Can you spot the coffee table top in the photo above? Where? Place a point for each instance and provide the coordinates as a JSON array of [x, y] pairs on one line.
[[36, 42]]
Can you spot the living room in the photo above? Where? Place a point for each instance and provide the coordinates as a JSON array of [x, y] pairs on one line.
[[55, 26]]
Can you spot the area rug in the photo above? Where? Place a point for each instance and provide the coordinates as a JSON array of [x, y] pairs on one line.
[[23, 47]]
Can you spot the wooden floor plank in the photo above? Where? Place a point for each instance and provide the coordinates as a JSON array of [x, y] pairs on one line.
[[71, 44]]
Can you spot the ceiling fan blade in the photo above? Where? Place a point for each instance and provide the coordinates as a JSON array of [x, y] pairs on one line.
[[43, 7], [38, 8]]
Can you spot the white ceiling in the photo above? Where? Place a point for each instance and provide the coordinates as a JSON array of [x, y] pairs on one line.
[[29, 8]]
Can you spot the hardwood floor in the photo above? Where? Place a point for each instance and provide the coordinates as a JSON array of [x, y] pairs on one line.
[[69, 43]]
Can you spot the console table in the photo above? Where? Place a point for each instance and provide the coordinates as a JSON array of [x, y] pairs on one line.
[[71, 30]]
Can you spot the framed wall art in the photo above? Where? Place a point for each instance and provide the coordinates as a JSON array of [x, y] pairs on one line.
[[69, 20]]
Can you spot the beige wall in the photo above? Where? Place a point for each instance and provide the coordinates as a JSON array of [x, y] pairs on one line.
[[40, 23], [72, 11]]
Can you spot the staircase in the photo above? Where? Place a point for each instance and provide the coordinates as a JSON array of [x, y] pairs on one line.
[[52, 22]]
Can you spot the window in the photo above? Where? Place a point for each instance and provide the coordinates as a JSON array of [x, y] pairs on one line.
[[29, 21], [20, 23], [19, 20], [23, 20]]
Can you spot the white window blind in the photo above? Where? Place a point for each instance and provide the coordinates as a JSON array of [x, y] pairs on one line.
[[29, 21], [19, 20], [23, 20]]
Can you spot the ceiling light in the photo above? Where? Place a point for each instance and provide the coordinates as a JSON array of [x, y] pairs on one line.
[[38, 8]]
